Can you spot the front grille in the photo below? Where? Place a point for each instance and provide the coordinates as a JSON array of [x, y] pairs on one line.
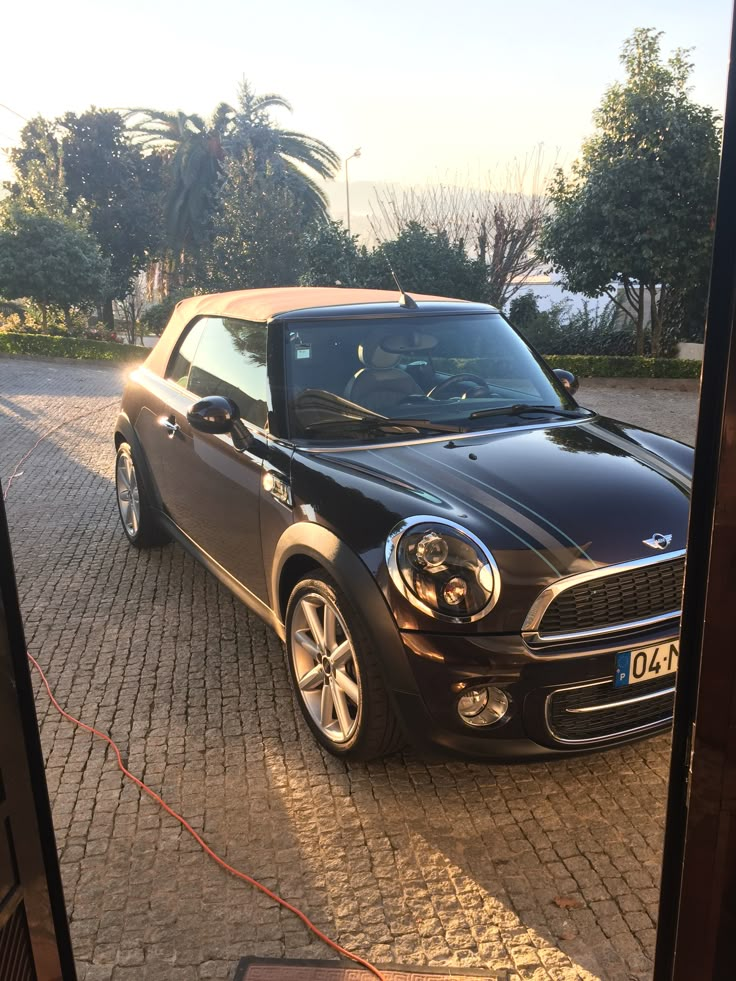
[[616, 710], [607, 601]]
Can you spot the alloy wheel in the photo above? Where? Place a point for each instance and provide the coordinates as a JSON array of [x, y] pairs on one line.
[[325, 667], [128, 494]]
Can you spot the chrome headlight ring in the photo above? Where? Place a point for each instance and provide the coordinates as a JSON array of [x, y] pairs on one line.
[[418, 564]]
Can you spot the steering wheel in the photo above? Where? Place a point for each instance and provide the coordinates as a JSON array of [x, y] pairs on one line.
[[456, 379]]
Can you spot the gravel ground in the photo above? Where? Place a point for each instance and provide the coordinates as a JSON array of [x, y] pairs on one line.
[[542, 871], [672, 413]]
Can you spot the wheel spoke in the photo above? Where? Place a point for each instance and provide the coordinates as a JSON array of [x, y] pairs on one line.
[[312, 679], [341, 708], [326, 707], [128, 494], [325, 667], [329, 623], [307, 644], [310, 612], [346, 684], [341, 654]]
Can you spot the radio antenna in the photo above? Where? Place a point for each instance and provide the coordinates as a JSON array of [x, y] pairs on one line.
[[404, 299]]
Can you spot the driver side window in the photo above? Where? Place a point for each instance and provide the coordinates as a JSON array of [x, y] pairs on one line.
[[223, 356]]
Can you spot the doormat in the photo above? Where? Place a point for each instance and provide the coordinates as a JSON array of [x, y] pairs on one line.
[[273, 969]]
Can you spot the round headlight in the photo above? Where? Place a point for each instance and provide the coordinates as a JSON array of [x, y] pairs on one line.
[[443, 569], [432, 549]]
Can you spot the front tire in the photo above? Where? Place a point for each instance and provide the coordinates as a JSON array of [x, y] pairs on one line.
[[335, 675], [136, 515]]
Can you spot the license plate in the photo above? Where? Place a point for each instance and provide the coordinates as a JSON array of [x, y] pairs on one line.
[[645, 663]]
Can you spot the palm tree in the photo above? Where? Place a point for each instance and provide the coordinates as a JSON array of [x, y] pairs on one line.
[[194, 152], [294, 157], [198, 151]]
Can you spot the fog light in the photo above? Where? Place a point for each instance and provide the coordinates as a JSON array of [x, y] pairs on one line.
[[472, 702], [482, 706]]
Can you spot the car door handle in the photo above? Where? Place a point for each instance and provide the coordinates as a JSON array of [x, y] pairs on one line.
[[171, 427]]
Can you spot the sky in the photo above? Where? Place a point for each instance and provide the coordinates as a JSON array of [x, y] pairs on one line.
[[429, 90]]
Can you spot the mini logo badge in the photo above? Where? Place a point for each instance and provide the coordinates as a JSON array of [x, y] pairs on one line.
[[658, 541]]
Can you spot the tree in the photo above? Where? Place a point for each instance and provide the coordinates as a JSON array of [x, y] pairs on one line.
[[49, 260], [330, 256], [256, 234], [39, 170], [290, 156], [118, 190], [204, 155], [498, 224], [425, 262], [130, 308], [192, 149], [85, 166], [633, 220]]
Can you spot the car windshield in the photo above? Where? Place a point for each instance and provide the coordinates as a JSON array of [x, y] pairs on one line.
[[362, 377]]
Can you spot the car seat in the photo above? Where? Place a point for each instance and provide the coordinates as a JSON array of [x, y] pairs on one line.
[[380, 384]]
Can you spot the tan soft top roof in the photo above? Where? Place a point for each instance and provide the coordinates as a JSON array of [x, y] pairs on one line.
[[262, 305]]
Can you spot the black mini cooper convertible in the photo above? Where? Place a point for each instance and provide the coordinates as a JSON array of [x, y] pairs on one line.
[[452, 549]]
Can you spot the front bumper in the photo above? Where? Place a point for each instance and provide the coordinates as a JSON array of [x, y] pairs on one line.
[[561, 702]]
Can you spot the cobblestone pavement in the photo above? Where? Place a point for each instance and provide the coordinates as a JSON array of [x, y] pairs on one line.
[[544, 870]]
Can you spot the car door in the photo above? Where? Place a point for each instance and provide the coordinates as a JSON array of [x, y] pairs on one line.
[[210, 488]]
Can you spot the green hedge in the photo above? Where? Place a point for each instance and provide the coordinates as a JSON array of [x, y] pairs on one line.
[[593, 366], [46, 346], [585, 366]]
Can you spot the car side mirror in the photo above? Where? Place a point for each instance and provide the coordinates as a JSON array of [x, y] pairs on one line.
[[569, 381], [214, 414]]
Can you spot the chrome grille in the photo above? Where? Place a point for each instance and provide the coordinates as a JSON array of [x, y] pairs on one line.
[[600, 711], [601, 603]]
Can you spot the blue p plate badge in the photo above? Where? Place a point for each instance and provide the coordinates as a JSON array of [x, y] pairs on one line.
[[623, 666]]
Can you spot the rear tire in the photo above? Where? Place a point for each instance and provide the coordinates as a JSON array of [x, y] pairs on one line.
[[335, 674], [136, 514]]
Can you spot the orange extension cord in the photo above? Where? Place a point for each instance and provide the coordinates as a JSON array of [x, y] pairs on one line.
[[153, 795]]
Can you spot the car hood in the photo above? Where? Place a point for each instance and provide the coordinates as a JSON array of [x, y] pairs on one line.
[[576, 496]]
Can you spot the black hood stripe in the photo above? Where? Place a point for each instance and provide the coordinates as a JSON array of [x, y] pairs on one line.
[[644, 456], [483, 513], [559, 545]]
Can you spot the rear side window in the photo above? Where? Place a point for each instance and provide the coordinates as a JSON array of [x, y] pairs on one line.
[[182, 361], [230, 360]]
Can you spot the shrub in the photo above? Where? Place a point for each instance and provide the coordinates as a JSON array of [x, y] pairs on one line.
[[589, 330], [27, 318], [47, 346], [13, 323], [10, 308], [592, 366], [156, 317]]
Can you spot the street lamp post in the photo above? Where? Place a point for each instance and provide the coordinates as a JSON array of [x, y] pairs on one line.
[[356, 153]]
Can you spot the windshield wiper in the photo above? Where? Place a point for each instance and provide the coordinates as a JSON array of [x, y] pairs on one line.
[[370, 424], [520, 408]]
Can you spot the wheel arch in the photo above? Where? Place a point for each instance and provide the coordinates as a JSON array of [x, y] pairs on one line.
[[295, 568], [306, 547], [125, 433]]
